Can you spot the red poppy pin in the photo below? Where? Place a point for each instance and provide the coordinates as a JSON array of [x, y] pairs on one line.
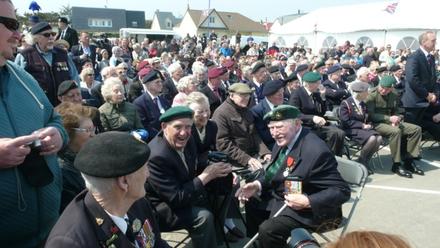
[[290, 162]]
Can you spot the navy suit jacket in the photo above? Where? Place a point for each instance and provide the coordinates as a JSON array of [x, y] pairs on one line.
[[77, 51], [316, 166], [169, 90], [259, 111], [149, 112], [420, 80], [300, 99], [335, 92]]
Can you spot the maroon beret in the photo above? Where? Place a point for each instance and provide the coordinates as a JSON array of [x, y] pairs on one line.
[[144, 71], [142, 64], [228, 63], [216, 72]]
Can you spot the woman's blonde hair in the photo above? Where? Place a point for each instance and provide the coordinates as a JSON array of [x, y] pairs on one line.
[[369, 239], [84, 72], [185, 82]]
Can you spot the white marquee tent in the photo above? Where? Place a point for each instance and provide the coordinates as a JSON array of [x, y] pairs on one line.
[[398, 23]]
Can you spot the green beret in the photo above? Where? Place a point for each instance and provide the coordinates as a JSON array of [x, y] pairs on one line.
[[112, 154], [176, 113], [240, 88], [387, 81], [282, 112], [311, 77]]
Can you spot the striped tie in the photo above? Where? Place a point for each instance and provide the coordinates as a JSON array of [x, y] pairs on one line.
[[275, 166]]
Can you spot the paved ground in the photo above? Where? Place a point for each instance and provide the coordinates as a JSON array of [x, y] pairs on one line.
[[407, 207]]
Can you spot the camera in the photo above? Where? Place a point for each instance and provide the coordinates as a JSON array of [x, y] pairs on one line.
[[301, 238], [35, 145]]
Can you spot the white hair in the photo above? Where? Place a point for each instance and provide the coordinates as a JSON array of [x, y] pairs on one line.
[[197, 98], [105, 72], [174, 67], [199, 67], [102, 186], [362, 71], [185, 82], [107, 87]]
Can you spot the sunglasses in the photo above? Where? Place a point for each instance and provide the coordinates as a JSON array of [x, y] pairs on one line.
[[10, 23], [90, 75], [47, 35]]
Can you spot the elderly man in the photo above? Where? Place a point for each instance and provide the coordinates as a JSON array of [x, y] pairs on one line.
[[169, 85], [213, 90], [300, 155], [382, 105], [66, 33], [113, 211], [237, 136], [174, 189], [259, 76], [336, 90], [30, 178], [310, 100], [150, 105], [273, 96], [49, 65]]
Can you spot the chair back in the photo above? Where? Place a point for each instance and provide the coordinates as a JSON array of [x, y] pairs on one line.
[[352, 172]]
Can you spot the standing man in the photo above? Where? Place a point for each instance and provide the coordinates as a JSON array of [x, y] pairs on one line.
[[213, 90], [298, 153], [84, 52], [420, 79], [259, 76], [30, 179], [66, 33], [48, 64], [113, 211], [174, 189]]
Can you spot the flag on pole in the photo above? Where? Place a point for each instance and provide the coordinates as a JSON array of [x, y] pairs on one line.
[[391, 8]]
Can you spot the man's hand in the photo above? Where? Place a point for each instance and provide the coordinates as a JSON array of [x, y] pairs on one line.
[[254, 164], [51, 141], [14, 151], [432, 98], [395, 120], [267, 157], [214, 171], [436, 118], [366, 126], [245, 192], [318, 120], [297, 201]]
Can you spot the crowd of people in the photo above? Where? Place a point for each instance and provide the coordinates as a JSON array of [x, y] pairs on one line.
[[160, 109]]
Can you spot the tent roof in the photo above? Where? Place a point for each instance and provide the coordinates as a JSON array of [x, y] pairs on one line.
[[408, 14]]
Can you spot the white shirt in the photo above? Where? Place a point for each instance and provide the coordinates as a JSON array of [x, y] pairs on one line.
[[358, 105], [159, 105], [271, 106], [119, 221]]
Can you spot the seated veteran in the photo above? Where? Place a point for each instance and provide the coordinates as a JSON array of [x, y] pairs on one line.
[[175, 189], [382, 104], [299, 157], [336, 90], [113, 211], [237, 136], [353, 114], [310, 100]]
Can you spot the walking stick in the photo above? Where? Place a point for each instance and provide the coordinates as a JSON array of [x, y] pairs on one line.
[[248, 244]]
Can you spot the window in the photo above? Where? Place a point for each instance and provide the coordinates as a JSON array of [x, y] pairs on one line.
[[100, 23], [364, 40], [211, 19], [134, 24], [302, 41], [329, 42], [408, 42]]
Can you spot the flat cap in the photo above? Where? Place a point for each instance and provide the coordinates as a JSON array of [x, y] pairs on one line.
[[257, 66], [291, 77], [311, 77], [216, 72], [282, 112], [272, 86], [240, 88], [273, 69], [302, 67], [112, 154], [334, 69], [63, 20], [65, 86], [359, 86], [394, 68], [177, 112], [387, 81], [40, 27], [381, 69], [151, 76]]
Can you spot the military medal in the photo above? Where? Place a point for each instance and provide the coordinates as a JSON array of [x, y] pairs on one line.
[[99, 221], [290, 165], [136, 226], [286, 172], [292, 185]]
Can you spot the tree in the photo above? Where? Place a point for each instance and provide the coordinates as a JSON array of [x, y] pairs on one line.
[[66, 10]]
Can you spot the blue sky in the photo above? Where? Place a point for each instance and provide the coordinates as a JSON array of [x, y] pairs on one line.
[[255, 9]]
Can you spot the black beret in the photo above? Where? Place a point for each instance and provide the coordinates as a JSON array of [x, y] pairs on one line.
[[272, 86], [357, 66], [40, 27], [319, 65], [273, 69], [112, 154], [351, 78], [291, 77], [282, 112], [381, 69], [334, 69], [177, 112], [395, 68], [346, 66], [65, 86], [151, 76], [257, 66], [302, 67], [63, 20], [209, 63]]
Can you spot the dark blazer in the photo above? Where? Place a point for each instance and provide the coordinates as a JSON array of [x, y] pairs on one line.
[[259, 110], [316, 166], [206, 145], [84, 223], [172, 187], [77, 51], [214, 101], [420, 80], [300, 99], [135, 90], [71, 37], [169, 90], [352, 120], [97, 95], [335, 92], [149, 112], [258, 93]]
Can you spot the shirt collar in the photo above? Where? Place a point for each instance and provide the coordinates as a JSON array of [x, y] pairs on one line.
[[308, 91], [424, 51], [119, 221], [292, 143]]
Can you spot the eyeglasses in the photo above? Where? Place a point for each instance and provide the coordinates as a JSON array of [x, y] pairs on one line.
[[90, 75], [85, 130], [10, 23], [47, 35]]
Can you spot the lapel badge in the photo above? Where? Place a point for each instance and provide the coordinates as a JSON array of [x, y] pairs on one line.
[[136, 226], [278, 116], [99, 221], [290, 162]]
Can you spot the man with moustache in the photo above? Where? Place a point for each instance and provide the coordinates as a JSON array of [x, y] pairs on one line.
[[49, 65]]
